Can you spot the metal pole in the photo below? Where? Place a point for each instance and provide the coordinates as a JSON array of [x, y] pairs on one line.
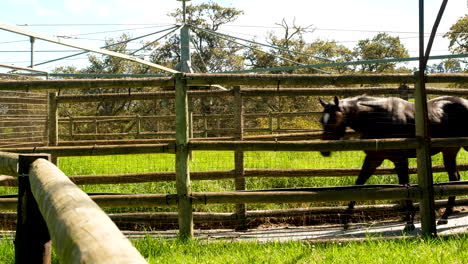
[[425, 180], [32, 40], [434, 31], [185, 60], [184, 11]]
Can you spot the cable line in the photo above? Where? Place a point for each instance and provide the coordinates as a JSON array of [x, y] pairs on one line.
[[261, 44], [107, 46]]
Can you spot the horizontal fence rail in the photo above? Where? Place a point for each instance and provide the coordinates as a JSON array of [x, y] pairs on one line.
[[276, 85], [255, 92], [86, 83], [222, 175], [9, 163], [194, 79], [294, 195], [331, 145]]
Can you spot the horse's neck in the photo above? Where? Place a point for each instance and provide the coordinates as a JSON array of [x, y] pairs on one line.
[[353, 118]]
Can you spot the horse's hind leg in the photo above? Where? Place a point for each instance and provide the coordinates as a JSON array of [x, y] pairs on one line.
[[371, 162], [401, 166], [450, 163]]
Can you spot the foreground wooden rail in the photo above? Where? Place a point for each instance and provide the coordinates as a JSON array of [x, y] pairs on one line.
[[82, 232], [51, 207]]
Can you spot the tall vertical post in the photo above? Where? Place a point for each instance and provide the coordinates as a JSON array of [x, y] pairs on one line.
[[185, 60], [182, 158], [52, 124], [425, 181], [239, 157], [32, 40], [185, 64], [32, 241]]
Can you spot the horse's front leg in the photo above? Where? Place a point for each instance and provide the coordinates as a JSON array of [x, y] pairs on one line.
[[450, 163], [371, 162], [401, 166]]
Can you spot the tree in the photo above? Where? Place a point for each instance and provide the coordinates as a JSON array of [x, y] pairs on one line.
[[448, 65], [382, 46], [213, 53], [458, 36], [293, 50], [333, 51]]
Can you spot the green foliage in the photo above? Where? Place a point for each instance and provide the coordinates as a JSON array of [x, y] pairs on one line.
[[381, 46], [293, 40], [213, 53], [446, 66], [458, 36]]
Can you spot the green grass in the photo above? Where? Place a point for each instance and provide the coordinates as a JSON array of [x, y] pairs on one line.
[[224, 160], [453, 249], [7, 251], [407, 250]]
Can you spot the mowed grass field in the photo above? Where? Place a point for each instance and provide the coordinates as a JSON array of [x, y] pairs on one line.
[[157, 250], [224, 160], [211, 160], [453, 249]]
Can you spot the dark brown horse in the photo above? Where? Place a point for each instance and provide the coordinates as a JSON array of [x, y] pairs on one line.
[[375, 118]]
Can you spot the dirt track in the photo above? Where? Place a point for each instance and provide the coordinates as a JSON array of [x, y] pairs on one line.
[[457, 224]]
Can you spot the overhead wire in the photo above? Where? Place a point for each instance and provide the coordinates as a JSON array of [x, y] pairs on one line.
[[230, 38], [175, 28], [107, 46], [261, 44]]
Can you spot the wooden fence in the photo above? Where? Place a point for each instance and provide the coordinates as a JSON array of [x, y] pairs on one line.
[[51, 208], [94, 124], [23, 118], [182, 145]]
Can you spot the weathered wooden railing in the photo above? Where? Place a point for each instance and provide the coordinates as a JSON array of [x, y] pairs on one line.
[[52, 208], [98, 122], [185, 198]]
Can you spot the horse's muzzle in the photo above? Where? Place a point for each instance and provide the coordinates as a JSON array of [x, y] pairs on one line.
[[325, 153]]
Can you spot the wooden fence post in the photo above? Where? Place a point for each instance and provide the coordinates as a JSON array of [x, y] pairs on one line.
[[205, 125], [96, 126], [239, 157], [32, 241], [71, 127], [138, 125], [425, 181], [403, 89], [53, 123], [182, 158]]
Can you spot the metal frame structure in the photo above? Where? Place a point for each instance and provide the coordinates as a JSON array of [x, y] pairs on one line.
[[182, 119]]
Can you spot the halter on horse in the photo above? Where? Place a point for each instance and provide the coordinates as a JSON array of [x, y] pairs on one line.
[[375, 118]]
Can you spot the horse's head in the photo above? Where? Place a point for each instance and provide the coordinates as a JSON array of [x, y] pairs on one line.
[[332, 122]]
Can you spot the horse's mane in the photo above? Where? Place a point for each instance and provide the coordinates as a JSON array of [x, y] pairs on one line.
[[395, 110], [375, 103]]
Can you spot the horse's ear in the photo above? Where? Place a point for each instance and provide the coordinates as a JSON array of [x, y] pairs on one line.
[[323, 103], [337, 101]]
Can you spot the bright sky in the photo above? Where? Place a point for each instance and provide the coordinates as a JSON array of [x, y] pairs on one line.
[[90, 22]]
